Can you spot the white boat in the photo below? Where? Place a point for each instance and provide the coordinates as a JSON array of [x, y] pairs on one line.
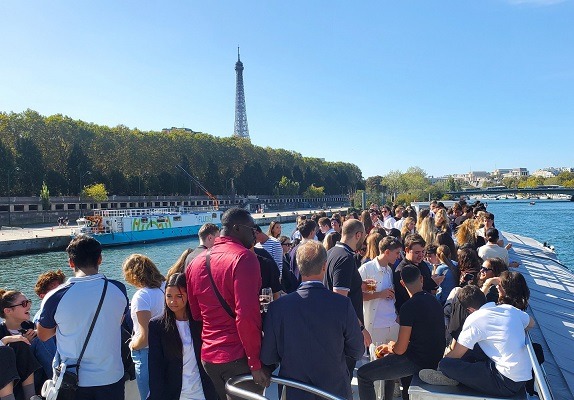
[[120, 227]]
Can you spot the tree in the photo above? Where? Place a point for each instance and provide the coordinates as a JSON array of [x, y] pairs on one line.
[[313, 192], [287, 187], [97, 192], [45, 196]]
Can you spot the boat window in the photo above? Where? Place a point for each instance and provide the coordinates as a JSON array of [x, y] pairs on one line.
[[144, 219], [161, 219], [214, 215], [177, 218]]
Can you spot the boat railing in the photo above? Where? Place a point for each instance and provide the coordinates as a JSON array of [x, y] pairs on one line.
[[544, 392], [138, 212], [233, 390]]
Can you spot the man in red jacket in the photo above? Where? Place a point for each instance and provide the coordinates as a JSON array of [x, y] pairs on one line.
[[232, 321]]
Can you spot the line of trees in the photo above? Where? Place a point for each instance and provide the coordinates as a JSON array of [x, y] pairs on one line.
[[68, 154], [405, 187]]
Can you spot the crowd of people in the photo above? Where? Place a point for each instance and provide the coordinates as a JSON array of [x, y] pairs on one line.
[[431, 294]]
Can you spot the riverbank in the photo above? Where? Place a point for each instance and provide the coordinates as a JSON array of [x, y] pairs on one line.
[[40, 239]]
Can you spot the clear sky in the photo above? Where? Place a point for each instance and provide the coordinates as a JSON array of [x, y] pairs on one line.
[[446, 85]]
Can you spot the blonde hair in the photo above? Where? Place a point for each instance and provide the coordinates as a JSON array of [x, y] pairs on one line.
[[405, 229], [466, 233], [373, 241], [140, 271], [427, 229], [441, 220]]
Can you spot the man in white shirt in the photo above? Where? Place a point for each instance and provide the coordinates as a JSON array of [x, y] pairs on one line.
[[492, 249], [379, 306], [499, 365]]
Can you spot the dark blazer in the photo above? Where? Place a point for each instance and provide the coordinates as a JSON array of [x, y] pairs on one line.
[[166, 367], [310, 332]]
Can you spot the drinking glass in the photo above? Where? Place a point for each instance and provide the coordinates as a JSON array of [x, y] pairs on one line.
[[371, 284], [265, 298]]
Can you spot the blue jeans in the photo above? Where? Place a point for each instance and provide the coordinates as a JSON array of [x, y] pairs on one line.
[[388, 368], [140, 358], [44, 353]]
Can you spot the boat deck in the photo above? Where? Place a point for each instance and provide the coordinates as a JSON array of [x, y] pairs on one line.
[[552, 306]]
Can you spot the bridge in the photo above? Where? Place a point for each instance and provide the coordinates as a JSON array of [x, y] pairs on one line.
[[527, 191]]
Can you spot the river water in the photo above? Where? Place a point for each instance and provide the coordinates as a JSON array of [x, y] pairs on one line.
[[546, 221]]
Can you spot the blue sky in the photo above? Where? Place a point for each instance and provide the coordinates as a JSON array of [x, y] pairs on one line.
[[445, 85]]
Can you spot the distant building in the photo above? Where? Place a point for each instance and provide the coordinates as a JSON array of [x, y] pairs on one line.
[[174, 129], [510, 173], [546, 172]]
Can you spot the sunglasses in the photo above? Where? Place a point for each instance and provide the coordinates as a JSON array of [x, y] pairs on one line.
[[253, 229], [24, 303], [287, 244], [484, 269]]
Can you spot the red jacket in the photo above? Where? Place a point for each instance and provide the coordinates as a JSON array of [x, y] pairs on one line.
[[237, 276]]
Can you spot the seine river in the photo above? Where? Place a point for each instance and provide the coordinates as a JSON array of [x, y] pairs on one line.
[[546, 221]]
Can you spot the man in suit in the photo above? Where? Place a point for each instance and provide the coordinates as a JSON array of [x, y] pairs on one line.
[[311, 331]]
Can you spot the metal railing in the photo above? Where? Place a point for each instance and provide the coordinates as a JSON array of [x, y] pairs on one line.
[[544, 392], [235, 391]]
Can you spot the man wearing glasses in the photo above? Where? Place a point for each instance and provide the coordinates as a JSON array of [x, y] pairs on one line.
[[224, 294]]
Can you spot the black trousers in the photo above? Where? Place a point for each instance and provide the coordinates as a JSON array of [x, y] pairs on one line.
[[220, 373]]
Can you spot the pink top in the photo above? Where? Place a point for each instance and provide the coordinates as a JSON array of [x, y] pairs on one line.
[[237, 275]]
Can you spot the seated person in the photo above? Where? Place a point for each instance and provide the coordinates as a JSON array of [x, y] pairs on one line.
[[45, 351], [15, 309], [420, 344], [500, 364], [8, 373]]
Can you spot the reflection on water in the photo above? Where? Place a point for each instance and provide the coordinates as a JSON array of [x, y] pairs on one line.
[[21, 272]]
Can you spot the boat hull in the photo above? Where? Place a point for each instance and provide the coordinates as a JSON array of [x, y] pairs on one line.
[[156, 235]]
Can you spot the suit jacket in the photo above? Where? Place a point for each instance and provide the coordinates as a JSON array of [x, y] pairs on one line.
[[310, 332], [166, 367]]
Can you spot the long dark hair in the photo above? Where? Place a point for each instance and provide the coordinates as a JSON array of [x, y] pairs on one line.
[[516, 291], [168, 317]]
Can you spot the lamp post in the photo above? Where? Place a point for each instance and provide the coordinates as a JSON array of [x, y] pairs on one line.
[[80, 194], [9, 198]]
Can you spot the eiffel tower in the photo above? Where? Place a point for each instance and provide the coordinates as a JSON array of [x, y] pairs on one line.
[[240, 129]]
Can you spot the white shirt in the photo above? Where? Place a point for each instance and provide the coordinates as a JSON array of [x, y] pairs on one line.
[[490, 250], [499, 331], [389, 223], [190, 379], [147, 299], [378, 313]]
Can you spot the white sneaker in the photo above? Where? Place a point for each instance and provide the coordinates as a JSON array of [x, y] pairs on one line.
[[434, 377]]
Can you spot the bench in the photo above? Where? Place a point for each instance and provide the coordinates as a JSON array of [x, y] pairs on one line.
[[423, 391]]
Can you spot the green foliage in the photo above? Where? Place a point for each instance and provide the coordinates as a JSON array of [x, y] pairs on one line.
[[57, 149], [287, 187], [45, 196], [313, 192], [96, 192], [531, 181]]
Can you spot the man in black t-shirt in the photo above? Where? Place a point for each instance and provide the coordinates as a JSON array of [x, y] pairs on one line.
[[421, 339], [414, 255], [343, 276]]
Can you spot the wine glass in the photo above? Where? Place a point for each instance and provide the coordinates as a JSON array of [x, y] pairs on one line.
[[265, 298]]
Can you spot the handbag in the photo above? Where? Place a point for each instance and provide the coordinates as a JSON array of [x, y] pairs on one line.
[[64, 383]]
